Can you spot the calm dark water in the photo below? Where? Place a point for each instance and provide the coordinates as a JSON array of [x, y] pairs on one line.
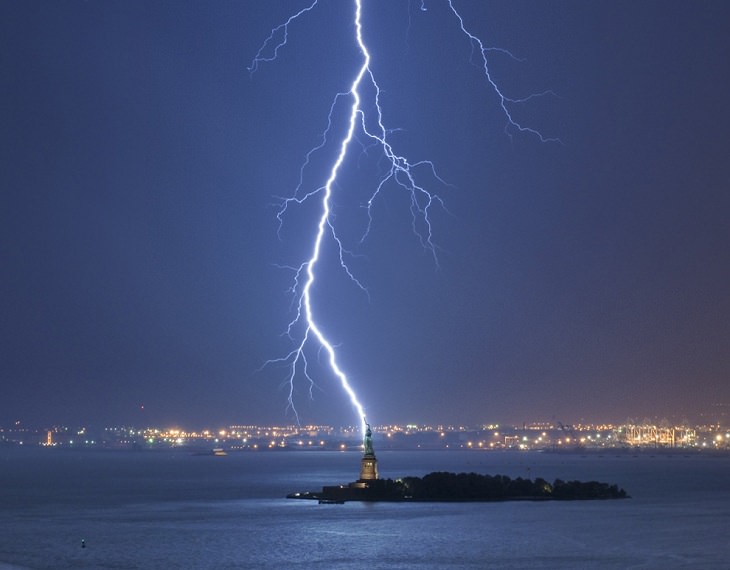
[[171, 510]]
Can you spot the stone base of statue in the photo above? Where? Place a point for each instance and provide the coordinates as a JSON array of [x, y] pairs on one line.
[[368, 468]]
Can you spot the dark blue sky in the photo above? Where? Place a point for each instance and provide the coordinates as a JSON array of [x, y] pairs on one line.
[[139, 166]]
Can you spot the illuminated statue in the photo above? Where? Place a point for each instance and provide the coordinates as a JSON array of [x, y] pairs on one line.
[[368, 463], [368, 441]]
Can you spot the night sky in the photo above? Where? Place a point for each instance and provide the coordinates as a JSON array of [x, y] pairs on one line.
[[141, 275]]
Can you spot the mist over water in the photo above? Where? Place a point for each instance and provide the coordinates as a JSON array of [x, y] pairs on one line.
[[175, 510]]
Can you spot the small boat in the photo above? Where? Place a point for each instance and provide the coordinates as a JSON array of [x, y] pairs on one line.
[[218, 452]]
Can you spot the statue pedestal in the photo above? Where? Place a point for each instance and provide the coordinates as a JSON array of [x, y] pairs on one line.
[[368, 468]]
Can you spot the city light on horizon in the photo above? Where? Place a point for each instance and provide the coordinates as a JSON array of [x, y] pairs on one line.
[[550, 436]]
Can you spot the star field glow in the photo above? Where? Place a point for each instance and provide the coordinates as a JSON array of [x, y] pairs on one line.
[[361, 106]]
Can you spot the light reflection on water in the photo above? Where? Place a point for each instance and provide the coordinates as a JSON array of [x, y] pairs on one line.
[[173, 510]]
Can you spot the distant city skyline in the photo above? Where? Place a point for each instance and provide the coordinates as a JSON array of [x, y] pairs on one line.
[[539, 436], [715, 415]]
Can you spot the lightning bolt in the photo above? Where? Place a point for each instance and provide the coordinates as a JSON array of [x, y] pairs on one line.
[[304, 329]]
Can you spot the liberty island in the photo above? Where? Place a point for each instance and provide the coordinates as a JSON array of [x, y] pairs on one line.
[[443, 486]]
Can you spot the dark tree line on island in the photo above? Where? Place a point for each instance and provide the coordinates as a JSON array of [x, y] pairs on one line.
[[443, 486]]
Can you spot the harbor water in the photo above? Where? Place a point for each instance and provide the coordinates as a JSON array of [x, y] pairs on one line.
[[171, 509]]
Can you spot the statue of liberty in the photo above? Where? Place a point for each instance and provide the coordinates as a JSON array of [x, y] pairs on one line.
[[368, 442], [368, 463]]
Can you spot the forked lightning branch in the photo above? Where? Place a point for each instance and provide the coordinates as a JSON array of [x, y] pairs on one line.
[[364, 119]]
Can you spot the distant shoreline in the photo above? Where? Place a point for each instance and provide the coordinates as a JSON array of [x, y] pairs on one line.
[[202, 450]]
